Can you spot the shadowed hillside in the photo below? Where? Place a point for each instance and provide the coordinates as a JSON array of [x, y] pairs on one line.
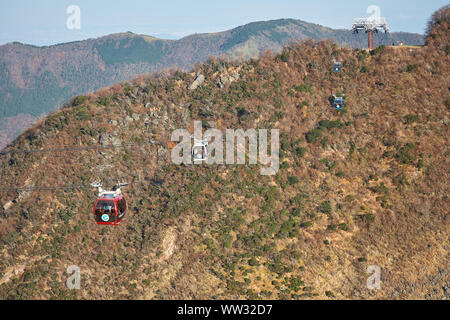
[[37, 80], [365, 187]]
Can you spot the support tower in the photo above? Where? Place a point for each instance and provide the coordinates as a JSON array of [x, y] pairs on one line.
[[370, 25]]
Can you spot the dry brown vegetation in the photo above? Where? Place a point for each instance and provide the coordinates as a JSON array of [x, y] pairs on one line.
[[365, 187]]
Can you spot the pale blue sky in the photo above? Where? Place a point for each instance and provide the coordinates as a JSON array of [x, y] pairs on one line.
[[43, 22]]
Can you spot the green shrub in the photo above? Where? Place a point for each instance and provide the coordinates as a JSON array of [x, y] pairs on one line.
[[104, 101], [292, 180], [285, 143], [411, 118], [284, 165], [381, 189], [325, 207], [11, 237], [329, 294], [127, 88], [412, 67], [340, 174], [327, 124], [100, 257], [313, 135], [388, 154], [240, 111], [300, 151], [79, 100], [277, 116], [383, 201], [406, 154], [352, 147], [332, 227], [306, 224], [66, 214], [285, 56], [400, 179], [288, 229], [420, 163], [82, 113], [378, 50], [253, 262], [362, 54], [209, 243], [294, 283], [304, 87]]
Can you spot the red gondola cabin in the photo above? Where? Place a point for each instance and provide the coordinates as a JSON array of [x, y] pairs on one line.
[[110, 207]]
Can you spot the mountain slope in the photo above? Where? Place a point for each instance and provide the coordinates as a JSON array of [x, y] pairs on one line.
[[365, 187], [36, 80]]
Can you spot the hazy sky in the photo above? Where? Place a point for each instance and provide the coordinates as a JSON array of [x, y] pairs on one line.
[[43, 22]]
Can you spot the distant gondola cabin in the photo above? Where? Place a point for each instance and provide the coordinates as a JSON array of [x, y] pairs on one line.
[[200, 151], [339, 103], [337, 67]]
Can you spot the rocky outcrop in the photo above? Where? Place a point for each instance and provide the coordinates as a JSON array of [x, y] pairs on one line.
[[197, 82], [227, 78], [108, 140]]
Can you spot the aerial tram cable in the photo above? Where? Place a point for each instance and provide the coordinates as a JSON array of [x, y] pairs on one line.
[[63, 149], [146, 174], [41, 188], [69, 148], [109, 208]]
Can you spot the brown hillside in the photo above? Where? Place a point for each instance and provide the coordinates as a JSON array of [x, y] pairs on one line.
[[365, 187]]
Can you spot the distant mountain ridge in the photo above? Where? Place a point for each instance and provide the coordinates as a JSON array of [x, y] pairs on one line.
[[36, 80]]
